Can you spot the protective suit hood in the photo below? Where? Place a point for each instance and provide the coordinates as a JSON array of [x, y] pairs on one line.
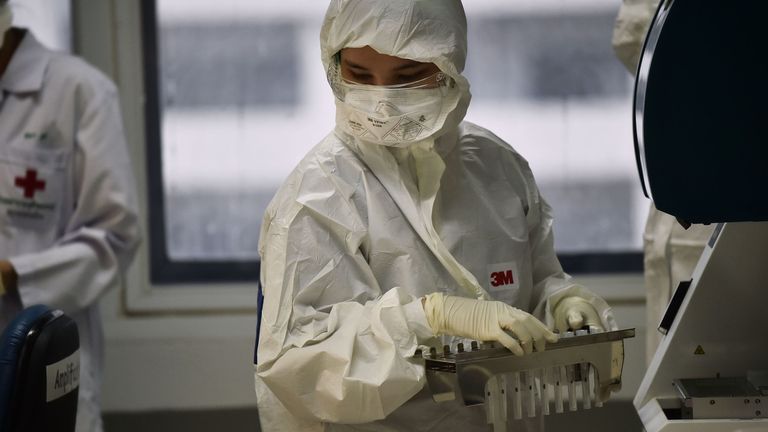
[[629, 30], [429, 31]]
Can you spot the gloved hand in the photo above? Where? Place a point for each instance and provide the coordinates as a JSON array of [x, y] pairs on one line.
[[487, 321], [574, 313]]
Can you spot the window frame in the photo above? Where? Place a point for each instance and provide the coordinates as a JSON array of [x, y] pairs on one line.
[[602, 263]]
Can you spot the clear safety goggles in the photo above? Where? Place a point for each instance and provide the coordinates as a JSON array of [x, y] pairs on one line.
[[438, 79], [341, 85]]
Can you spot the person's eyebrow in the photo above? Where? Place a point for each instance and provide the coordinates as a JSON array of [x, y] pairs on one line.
[[409, 66], [354, 65]]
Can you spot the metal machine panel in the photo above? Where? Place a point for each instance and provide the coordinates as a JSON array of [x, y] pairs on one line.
[[716, 335], [580, 369]]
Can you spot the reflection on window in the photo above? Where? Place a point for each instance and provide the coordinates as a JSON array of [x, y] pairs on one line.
[[593, 215], [551, 86], [229, 65], [544, 57], [215, 224]]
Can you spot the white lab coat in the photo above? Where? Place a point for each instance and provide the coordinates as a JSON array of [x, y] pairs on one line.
[[68, 209], [670, 251], [347, 250]]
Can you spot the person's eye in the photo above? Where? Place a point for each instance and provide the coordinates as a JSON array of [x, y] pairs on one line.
[[361, 77], [412, 77]]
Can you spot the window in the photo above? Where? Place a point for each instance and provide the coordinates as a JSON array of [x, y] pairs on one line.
[[245, 67], [228, 66], [547, 81], [226, 91], [547, 57], [237, 95]]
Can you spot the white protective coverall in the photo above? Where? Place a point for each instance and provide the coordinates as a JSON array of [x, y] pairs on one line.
[[359, 232], [671, 252], [68, 210]]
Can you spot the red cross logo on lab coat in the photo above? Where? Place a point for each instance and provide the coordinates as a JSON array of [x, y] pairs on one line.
[[30, 183]]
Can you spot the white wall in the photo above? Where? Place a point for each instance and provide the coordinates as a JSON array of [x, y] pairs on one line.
[[182, 362]]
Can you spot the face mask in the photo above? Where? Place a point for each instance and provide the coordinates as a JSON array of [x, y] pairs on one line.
[[396, 116], [6, 19]]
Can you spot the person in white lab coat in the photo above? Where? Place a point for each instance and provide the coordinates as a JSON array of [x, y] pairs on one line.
[[68, 208], [670, 251], [404, 227]]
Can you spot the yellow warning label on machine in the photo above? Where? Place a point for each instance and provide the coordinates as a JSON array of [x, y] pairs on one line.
[[699, 351]]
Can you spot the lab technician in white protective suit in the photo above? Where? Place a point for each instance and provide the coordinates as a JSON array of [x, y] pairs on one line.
[[68, 216], [670, 251], [404, 227]]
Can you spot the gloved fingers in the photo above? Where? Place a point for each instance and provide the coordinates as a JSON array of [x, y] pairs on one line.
[[540, 334], [539, 331], [551, 337], [530, 332], [521, 335], [540, 342], [530, 340], [527, 346], [560, 325], [561, 322], [511, 343], [575, 313], [592, 319], [575, 319]]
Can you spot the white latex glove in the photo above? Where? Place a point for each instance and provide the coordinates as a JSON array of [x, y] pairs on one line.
[[487, 321], [574, 313]]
